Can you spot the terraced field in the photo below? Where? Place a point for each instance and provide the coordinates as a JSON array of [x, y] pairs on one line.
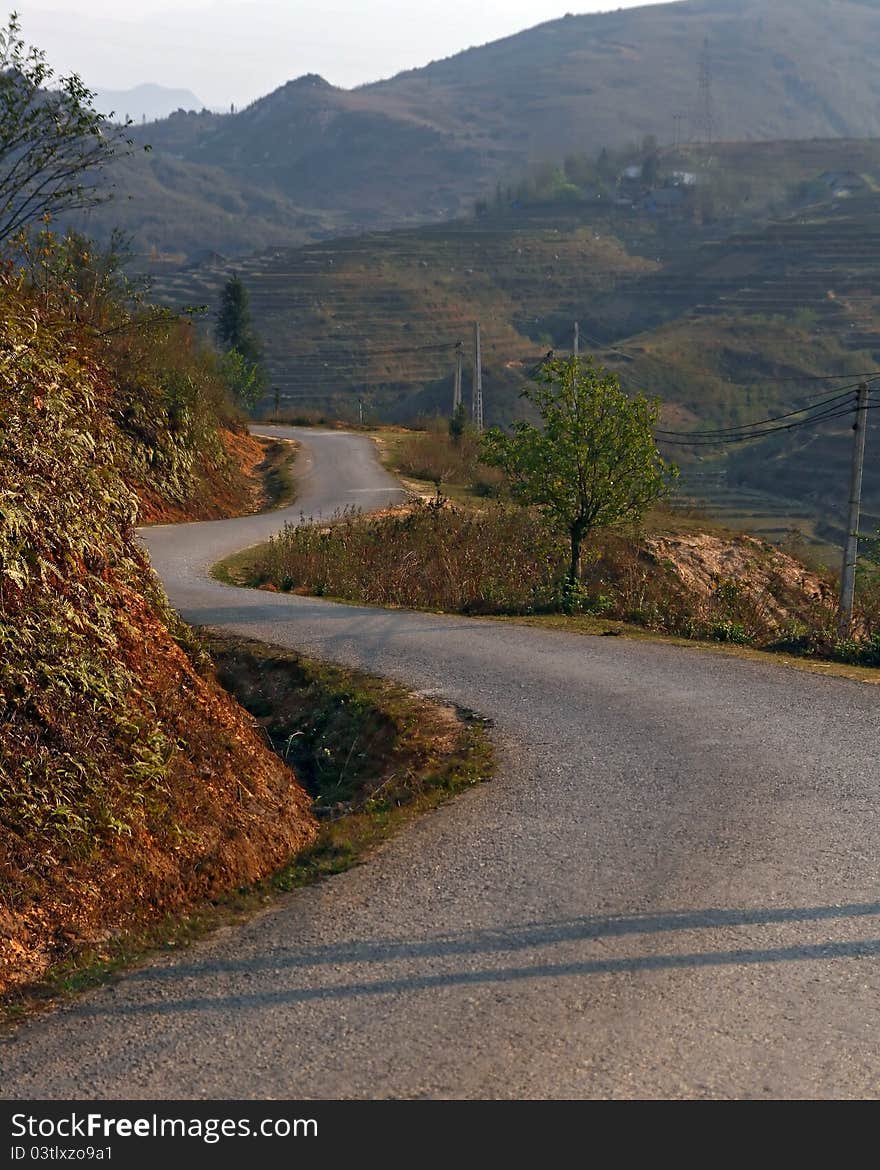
[[725, 330], [814, 537], [364, 314], [380, 315]]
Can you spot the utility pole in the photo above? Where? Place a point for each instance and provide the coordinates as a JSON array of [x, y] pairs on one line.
[[361, 411], [277, 402], [478, 381], [851, 553], [705, 115], [456, 392], [577, 339]]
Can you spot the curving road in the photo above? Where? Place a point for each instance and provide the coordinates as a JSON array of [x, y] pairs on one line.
[[670, 889]]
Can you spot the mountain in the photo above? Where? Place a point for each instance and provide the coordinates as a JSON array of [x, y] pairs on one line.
[[333, 149], [144, 102], [773, 69], [177, 212], [423, 145]]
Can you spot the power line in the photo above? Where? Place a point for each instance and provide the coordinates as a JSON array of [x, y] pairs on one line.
[[826, 416], [822, 378], [721, 431]]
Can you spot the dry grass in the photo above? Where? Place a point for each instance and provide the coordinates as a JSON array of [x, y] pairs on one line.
[[370, 755], [431, 459], [429, 556], [130, 785], [501, 560]]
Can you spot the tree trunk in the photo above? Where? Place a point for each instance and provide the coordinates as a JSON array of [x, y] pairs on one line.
[[574, 571]]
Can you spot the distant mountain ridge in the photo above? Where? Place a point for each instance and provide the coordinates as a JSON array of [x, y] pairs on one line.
[[423, 145], [147, 101]]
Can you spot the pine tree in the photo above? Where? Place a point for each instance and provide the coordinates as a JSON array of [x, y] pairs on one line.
[[234, 329]]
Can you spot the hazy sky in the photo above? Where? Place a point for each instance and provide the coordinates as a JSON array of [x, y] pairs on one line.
[[237, 50]]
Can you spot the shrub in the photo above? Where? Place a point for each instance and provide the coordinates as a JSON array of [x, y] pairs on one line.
[[507, 560], [434, 556]]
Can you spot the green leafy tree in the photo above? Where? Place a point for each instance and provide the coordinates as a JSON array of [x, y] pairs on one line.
[[53, 144], [77, 279], [243, 378], [593, 462]]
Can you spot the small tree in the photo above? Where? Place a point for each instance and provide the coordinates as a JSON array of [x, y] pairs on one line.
[[593, 463], [236, 337], [243, 378], [53, 145], [458, 423]]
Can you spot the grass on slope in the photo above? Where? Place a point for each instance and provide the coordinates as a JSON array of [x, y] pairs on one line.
[[129, 785], [276, 473], [178, 212], [371, 755]]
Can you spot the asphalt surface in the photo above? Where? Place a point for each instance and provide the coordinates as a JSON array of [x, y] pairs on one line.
[[670, 889]]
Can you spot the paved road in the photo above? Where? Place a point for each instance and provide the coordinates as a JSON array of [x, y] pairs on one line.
[[670, 889]]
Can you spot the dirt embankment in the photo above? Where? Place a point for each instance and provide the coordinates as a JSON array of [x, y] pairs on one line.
[[253, 476], [131, 784], [771, 579], [205, 810]]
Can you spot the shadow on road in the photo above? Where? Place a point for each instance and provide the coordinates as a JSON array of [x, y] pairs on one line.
[[497, 942]]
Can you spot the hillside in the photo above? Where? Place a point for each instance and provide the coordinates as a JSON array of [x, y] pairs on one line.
[[728, 317], [423, 145], [131, 785], [726, 303], [178, 213]]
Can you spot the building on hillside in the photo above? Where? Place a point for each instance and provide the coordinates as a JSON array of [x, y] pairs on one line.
[[842, 183]]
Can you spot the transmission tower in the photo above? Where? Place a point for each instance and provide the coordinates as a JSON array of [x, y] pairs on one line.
[[704, 119], [677, 129]]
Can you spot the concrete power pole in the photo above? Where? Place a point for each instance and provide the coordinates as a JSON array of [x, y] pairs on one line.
[[577, 339], [456, 391], [851, 553], [478, 381]]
